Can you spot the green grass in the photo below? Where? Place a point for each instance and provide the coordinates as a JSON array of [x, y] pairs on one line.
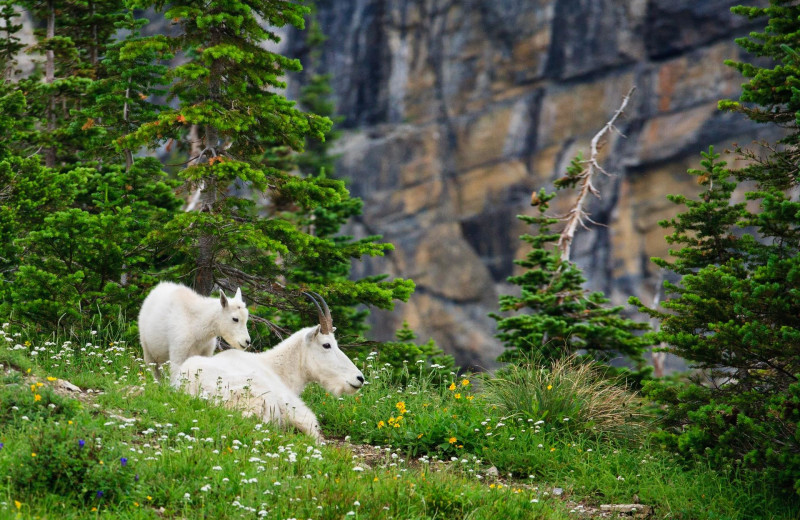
[[186, 459]]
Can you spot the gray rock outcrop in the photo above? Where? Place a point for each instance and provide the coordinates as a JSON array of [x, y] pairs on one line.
[[455, 111]]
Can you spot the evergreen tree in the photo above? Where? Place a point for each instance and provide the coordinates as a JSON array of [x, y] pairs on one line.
[[249, 226], [73, 42], [554, 316], [72, 232], [9, 45], [736, 312]]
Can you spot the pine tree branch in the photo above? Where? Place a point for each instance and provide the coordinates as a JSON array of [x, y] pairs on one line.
[[578, 212]]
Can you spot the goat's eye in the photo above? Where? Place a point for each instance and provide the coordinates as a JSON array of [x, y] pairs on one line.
[[326, 345], [236, 320]]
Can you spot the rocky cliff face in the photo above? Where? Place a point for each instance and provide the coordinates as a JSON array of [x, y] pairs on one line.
[[455, 111]]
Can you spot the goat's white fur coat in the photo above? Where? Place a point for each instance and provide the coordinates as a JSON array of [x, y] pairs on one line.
[[269, 384], [176, 323]]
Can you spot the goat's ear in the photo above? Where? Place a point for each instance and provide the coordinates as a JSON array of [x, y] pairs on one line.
[[333, 330], [312, 333], [222, 299], [238, 295]]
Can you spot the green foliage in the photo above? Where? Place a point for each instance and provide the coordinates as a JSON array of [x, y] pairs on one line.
[[744, 430], [9, 45], [84, 256], [65, 83], [571, 395], [554, 316], [65, 459], [735, 313]]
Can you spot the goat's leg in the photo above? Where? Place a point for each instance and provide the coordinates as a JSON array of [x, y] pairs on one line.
[[301, 417], [150, 362]]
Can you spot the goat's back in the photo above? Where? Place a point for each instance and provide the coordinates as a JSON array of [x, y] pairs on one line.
[[229, 374], [166, 314]]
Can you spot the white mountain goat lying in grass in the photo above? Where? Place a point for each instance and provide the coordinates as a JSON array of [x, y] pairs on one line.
[[176, 323], [269, 384]]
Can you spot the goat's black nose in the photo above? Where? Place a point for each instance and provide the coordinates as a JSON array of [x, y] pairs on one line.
[[360, 378], [248, 342]]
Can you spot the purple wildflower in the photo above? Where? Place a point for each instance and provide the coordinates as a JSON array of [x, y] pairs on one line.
[[123, 461], [99, 494], [81, 443]]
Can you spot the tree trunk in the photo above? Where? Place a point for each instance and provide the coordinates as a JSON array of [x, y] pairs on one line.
[[49, 77], [204, 279]]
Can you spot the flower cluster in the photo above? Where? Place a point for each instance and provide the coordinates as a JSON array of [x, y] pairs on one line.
[[395, 421]]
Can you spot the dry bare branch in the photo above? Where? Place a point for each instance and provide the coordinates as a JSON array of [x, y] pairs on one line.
[[578, 212]]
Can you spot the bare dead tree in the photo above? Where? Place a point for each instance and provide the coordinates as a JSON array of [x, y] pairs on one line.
[[577, 214]]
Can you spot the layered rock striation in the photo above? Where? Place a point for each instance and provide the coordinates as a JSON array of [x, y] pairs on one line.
[[455, 111]]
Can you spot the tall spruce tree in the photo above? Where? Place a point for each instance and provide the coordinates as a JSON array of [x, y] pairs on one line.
[[73, 41], [736, 312], [10, 44], [73, 231], [249, 222]]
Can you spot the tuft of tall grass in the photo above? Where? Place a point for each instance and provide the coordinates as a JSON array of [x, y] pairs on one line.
[[572, 394]]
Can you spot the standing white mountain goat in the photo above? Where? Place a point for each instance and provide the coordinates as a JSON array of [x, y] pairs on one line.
[[269, 384], [176, 323]]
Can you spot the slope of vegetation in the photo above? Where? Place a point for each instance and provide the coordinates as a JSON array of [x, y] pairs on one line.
[[441, 446]]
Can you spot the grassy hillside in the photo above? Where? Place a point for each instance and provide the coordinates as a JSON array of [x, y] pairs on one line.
[[442, 446]]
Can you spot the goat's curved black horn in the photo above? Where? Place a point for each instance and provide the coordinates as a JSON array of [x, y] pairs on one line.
[[327, 312], [323, 322]]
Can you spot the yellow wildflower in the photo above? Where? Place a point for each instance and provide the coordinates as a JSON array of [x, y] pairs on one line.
[[457, 396], [94, 509], [37, 397], [552, 450], [452, 440], [39, 384], [419, 436], [470, 397], [51, 378], [149, 497], [549, 387], [401, 407], [452, 386], [381, 424], [18, 504], [464, 382], [33, 454]]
